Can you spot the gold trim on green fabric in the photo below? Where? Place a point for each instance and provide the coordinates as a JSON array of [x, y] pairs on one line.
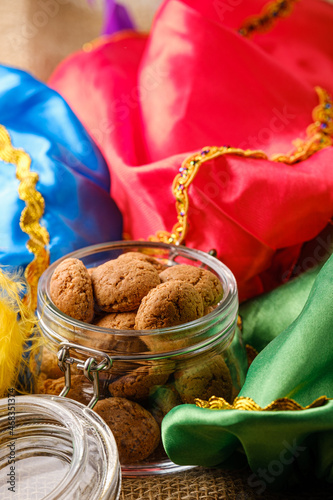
[[31, 214], [243, 403]]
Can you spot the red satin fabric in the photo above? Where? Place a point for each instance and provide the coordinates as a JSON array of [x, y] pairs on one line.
[[194, 81]]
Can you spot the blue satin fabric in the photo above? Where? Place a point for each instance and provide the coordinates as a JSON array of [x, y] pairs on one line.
[[73, 176]]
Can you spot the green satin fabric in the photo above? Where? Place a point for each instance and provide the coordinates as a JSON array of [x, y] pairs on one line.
[[280, 446], [266, 316]]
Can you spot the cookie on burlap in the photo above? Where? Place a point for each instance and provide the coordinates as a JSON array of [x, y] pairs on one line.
[[49, 367], [204, 281], [71, 290], [130, 256], [120, 286], [49, 364], [169, 304], [139, 383], [135, 430], [206, 378], [118, 343], [81, 390]]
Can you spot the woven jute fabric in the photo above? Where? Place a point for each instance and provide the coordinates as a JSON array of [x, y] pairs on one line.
[[214, 484]]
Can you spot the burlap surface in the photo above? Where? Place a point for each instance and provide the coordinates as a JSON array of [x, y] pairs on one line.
[[209, 484]]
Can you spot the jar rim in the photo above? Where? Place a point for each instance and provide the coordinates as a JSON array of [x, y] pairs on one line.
[[75, 420]]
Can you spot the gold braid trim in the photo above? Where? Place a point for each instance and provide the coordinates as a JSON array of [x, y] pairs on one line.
[[319, 137], [30, 216], [266, 20], [319, 133], [243, 403], [184, 179]]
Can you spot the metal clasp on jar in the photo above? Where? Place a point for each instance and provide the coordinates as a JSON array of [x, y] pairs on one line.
[[90, 366]]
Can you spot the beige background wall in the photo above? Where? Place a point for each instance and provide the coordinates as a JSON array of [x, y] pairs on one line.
[[36, 35], [142, 11]]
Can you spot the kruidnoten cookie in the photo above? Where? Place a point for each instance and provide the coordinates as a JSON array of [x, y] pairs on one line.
[[139, 383], [71, 290], [209, 377], [135, 430], [118, 321], [81, 390], [118, 343], [129, 256], [120, 286], [204, 281], [169, 304], [49, 364]]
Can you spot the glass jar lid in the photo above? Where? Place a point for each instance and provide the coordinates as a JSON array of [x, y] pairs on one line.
[[55, 448]]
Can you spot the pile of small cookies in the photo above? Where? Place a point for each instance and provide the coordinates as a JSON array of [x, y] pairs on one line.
[[151, 294], [138, 292]]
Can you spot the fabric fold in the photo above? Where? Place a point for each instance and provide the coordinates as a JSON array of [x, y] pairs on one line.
[[281, 444], [72, 176], [151, 101]]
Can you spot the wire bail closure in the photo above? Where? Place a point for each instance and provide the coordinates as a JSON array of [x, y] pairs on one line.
[[90, 367]]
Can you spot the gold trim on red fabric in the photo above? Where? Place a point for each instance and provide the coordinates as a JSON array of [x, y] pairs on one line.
[[319, 136], [319, 133], [266, 20]]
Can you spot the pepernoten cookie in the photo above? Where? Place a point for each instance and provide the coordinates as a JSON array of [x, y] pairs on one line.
[[139, 383], [135, 430], [118, 321], [81, 390], [210, 377], [71, 290], [169, 304], [130, 256], [204, 281], [49, 364], [120, 286], [119, 343]]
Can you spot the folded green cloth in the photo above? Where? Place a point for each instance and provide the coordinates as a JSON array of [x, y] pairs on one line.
[[267, 315], [280, 446]]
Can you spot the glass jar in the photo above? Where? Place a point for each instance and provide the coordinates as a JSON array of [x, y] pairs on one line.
[[53, 447], [155, 369]]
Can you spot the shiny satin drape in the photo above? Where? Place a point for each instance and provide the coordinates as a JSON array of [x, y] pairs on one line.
[[73, 177], [281, 446], [194, 81]]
